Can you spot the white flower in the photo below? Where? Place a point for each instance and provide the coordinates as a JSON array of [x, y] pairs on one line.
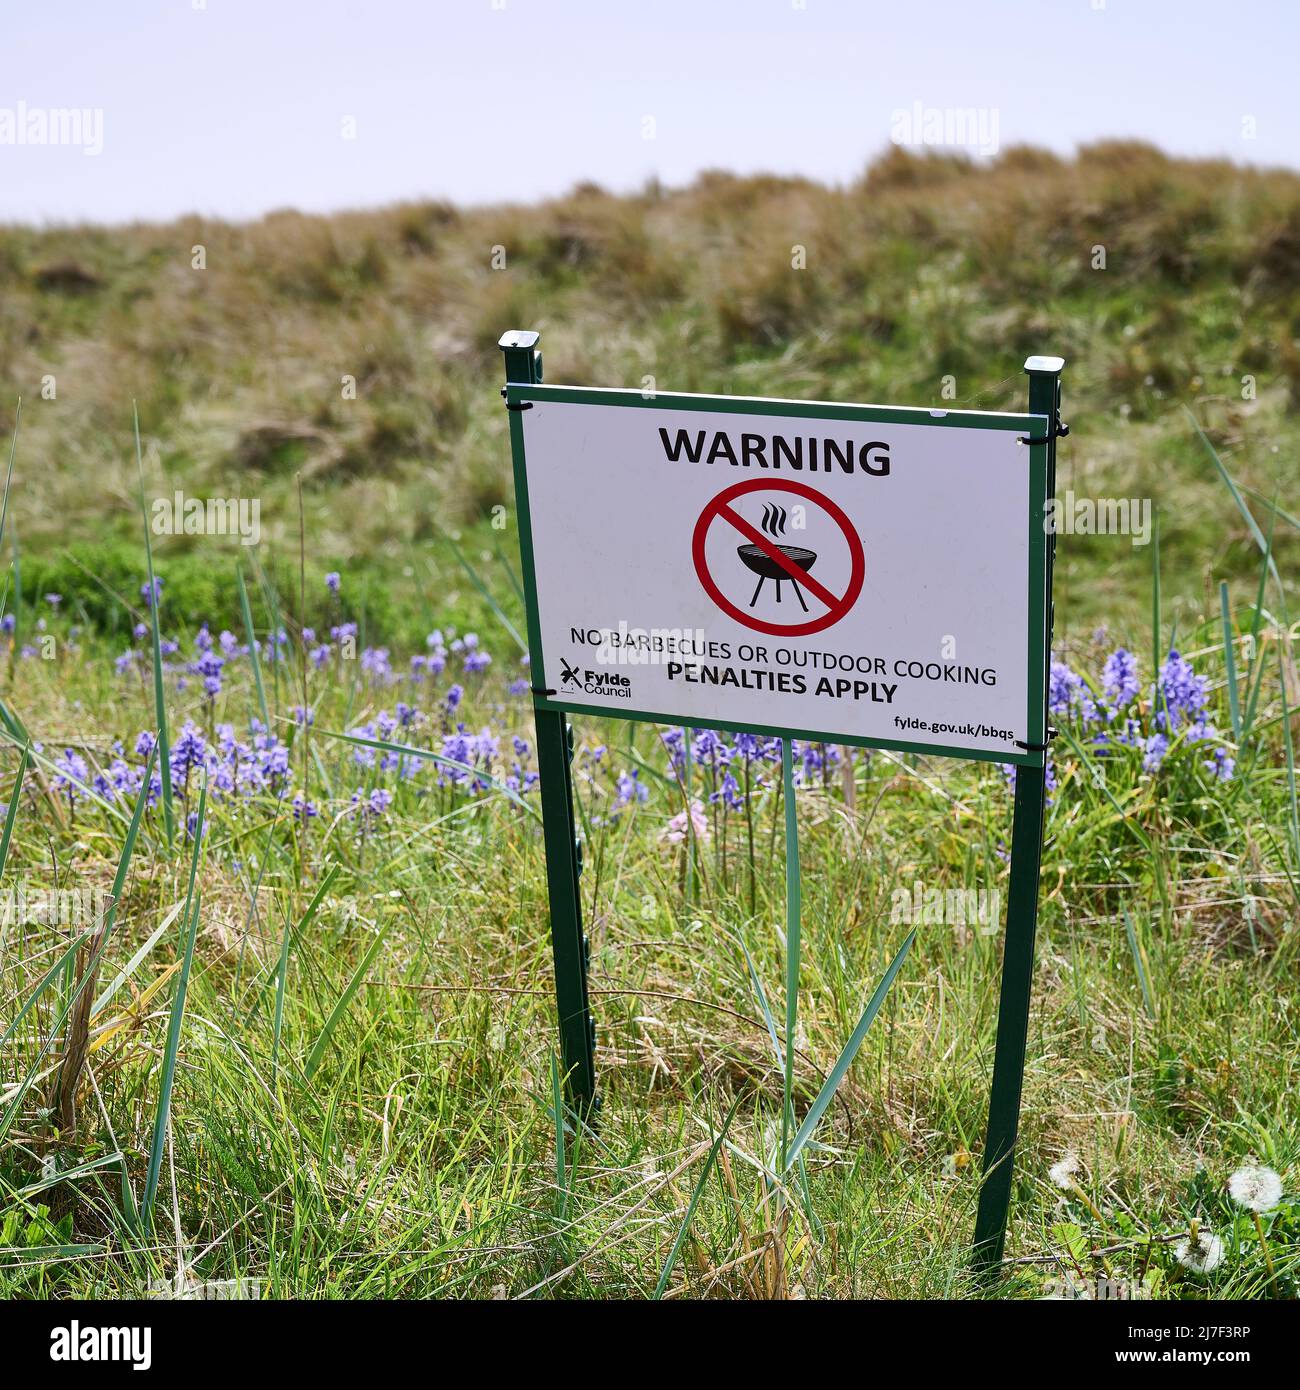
[[1201, 1258], [1062, 1173], [1255, 1188]]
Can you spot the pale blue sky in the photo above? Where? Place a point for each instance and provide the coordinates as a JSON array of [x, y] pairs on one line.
[[238, 106]]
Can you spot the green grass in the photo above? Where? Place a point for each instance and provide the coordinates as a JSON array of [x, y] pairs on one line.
[[362, 1102]]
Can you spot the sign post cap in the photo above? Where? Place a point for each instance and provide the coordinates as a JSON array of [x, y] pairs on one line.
[[1050, 365], [518, 338]]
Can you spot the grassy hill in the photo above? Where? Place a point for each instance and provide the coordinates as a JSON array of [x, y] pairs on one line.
[[927, 273]]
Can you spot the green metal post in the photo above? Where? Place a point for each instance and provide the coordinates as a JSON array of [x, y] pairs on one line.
[[1022, 903], [559, 830]]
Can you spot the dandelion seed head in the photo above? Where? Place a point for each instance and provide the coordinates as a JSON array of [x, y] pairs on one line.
[[1062, 1172], [1202, 1255], [1255, 1187]]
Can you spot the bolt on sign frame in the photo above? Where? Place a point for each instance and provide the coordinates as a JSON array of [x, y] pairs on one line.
[[1037, 429]]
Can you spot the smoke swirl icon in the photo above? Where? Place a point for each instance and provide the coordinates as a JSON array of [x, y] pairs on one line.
[[762, 564]]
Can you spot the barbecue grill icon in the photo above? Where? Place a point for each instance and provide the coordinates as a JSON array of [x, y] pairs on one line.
[[755, 558]]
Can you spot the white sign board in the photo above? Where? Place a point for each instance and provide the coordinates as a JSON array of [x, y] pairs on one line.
[[853, 574]]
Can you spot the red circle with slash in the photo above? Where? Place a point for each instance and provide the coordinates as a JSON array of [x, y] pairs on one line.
[[720, 509]]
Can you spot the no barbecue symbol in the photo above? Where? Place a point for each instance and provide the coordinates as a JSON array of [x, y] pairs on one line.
[[778, 566]]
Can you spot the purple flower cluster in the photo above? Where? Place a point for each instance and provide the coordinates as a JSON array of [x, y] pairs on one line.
[[1176, 710], [737, 765]]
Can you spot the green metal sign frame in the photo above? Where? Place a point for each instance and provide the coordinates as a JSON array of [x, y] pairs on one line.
[[1040, 427]]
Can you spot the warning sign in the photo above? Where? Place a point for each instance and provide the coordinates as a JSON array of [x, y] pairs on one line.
[[853, 573]]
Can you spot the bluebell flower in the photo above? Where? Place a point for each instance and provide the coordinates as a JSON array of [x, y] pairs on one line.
[[367, 808], [1222, 764], [1182, 698], [630, 788], [375, 663], [1119, 678], [729, 792], [674, 740], [71, 773], [189, 751], [708, 747], [1154, 752]]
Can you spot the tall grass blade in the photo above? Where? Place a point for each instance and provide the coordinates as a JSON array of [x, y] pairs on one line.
[[129, 969], [17, 729], [271, 598], [1139, 962], [561, 1157], [1256, 621], [56, 969], [1236, 496], [9, 475], [190, 924], [1272, 506], [340, 1008], [251, 638], [132, 833], [486, 594], [1230, 661], [1288, 743], [511, 576], [11, 815], [119, 882], [841, 1067], [761, 995], [155, 602], [671, 1261], [282, 970], [1157, 654], [64, 962]]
